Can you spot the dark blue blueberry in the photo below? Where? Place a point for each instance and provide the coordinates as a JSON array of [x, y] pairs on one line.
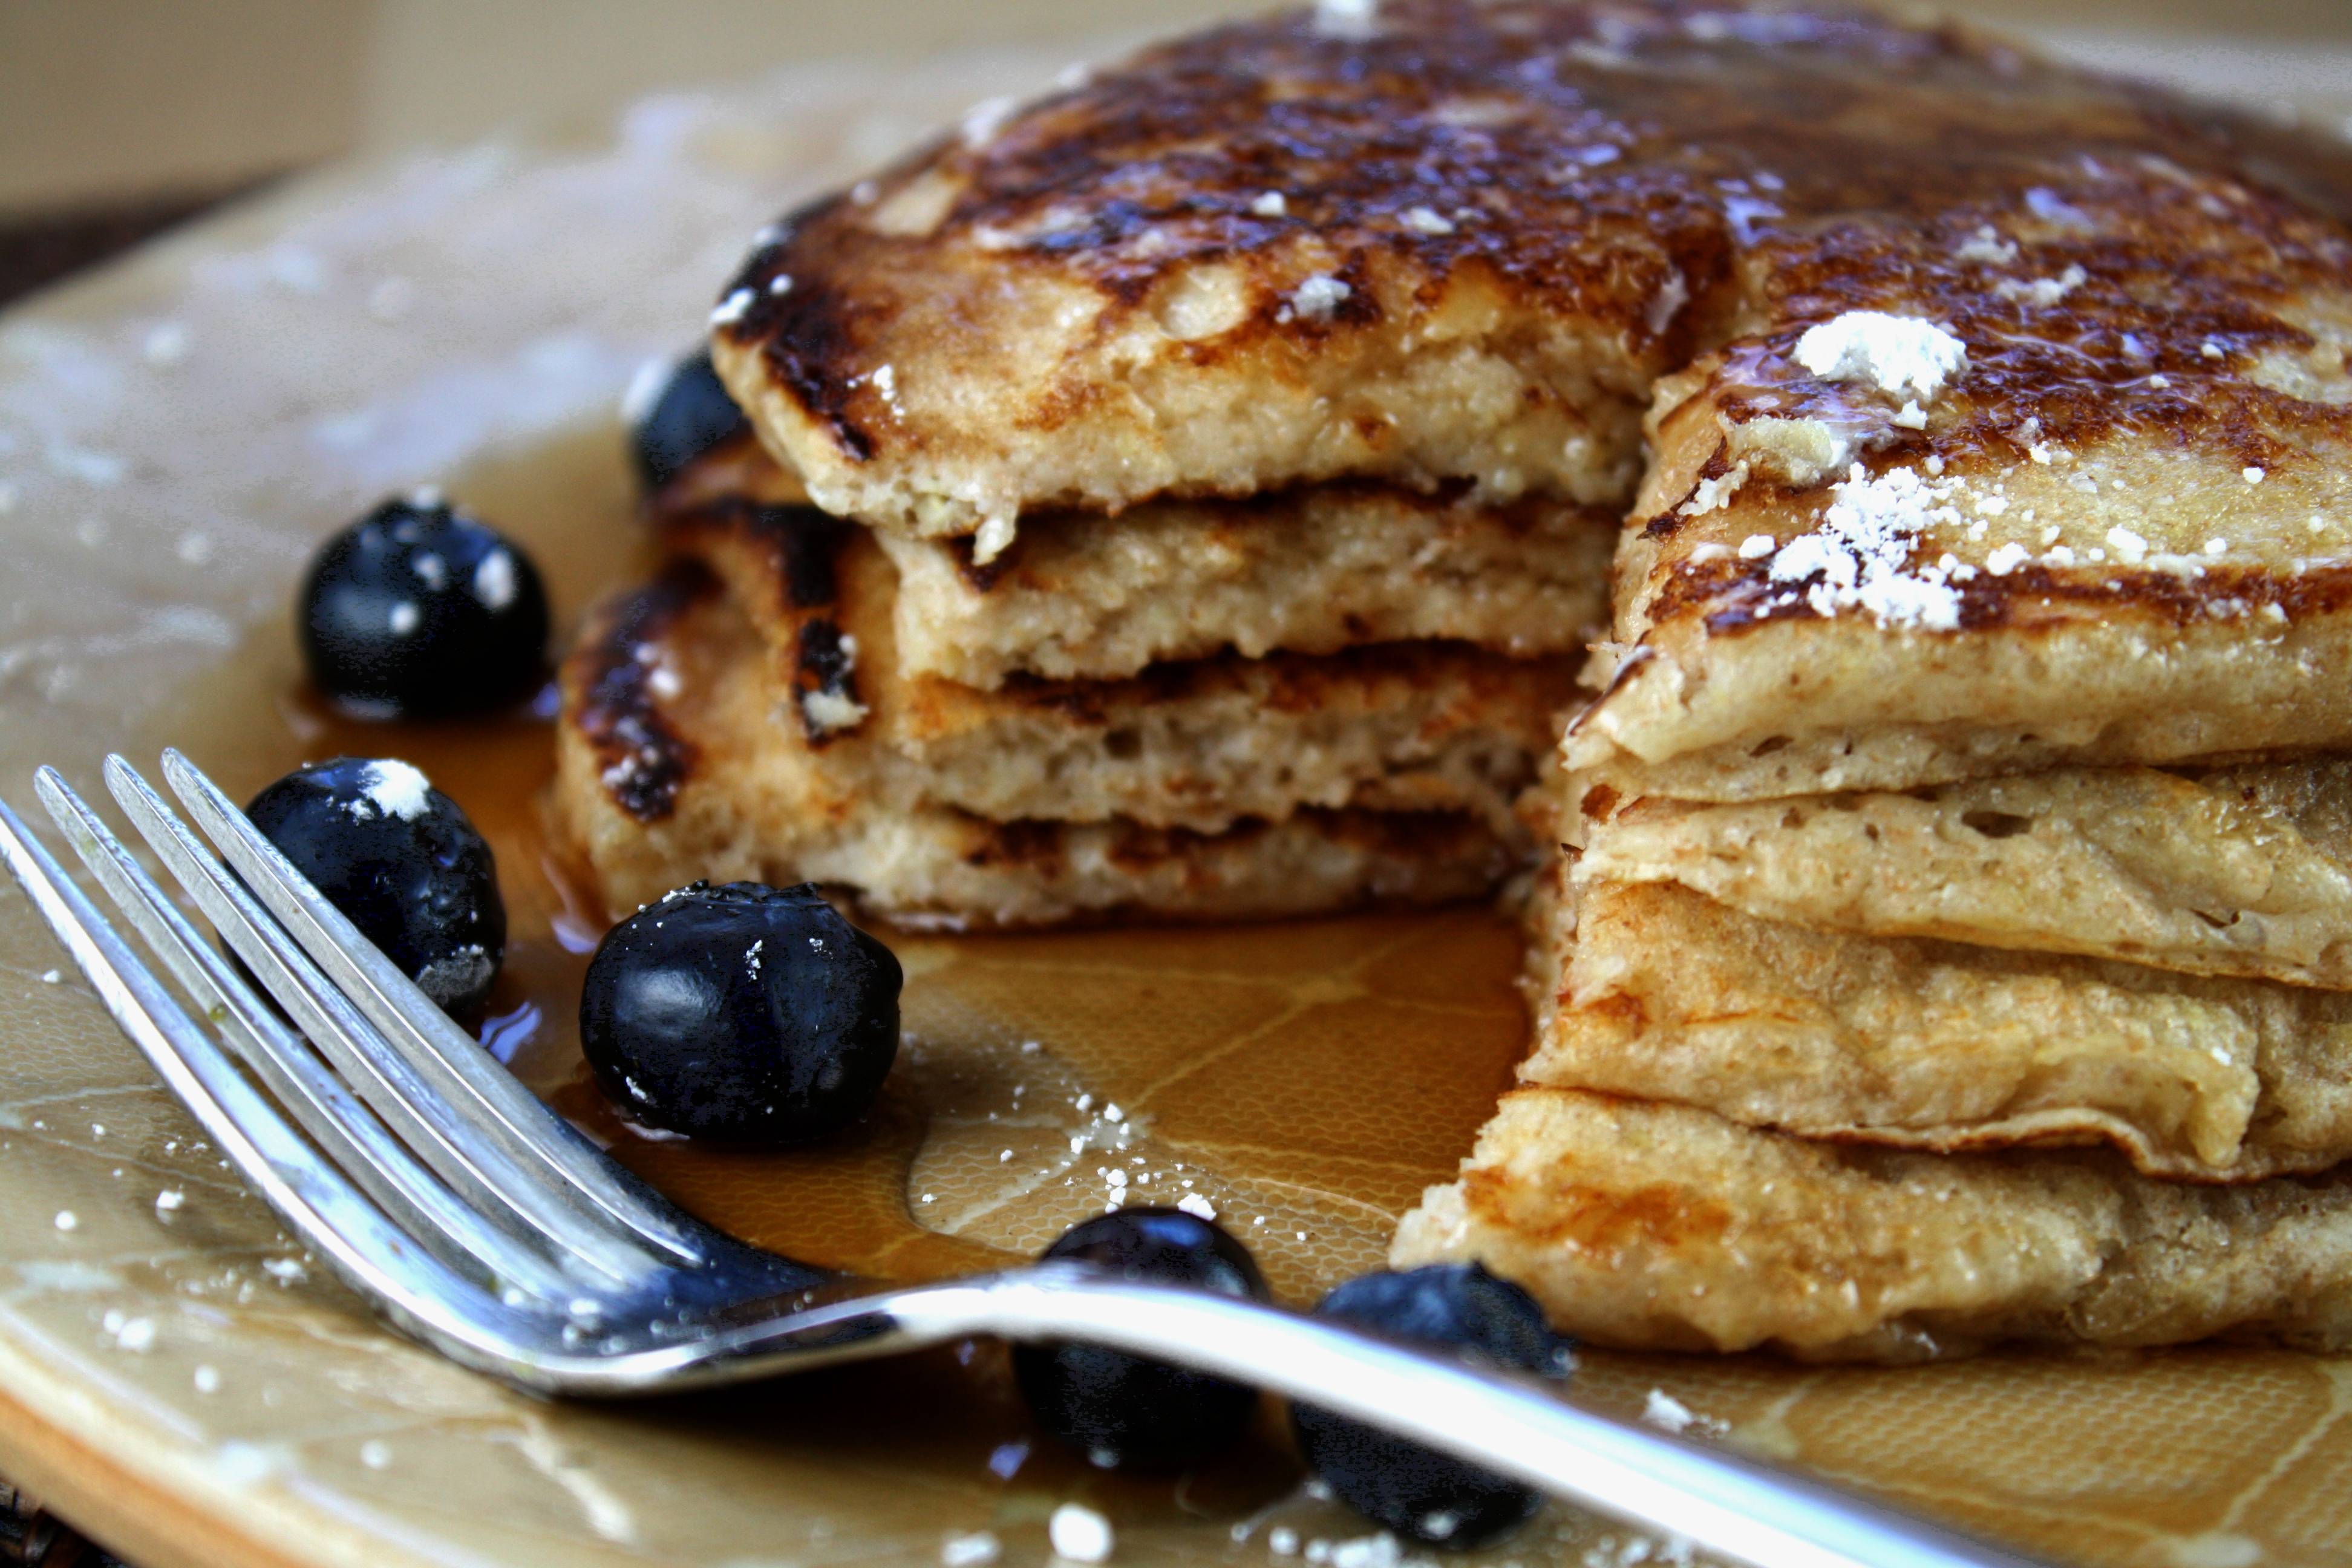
[[691, 414], [747, 1014], [402, 862], [1420, 1494], [1123, 1410], [419, 611]]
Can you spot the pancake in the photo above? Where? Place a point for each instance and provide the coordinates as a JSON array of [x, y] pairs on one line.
[[671, 766], [1447, 241], [2146, 560], [1658, 992], [1311, 571], [2241, 872], [1198, 745], [1663, 1228]]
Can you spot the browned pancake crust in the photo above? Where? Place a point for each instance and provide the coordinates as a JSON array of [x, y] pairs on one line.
[[1589, 166], [640, 758]]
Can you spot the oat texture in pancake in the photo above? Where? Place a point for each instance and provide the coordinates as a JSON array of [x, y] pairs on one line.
[[1200, 743], [2243, 871], [2054, 476], [1666, 1227], [1656, 991], [1308, 571], [672, 765], [1304, 571]]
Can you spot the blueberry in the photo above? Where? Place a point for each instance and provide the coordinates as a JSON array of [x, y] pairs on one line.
[[690, 415], [1420, 1494], [748, 1014], [419, 611], [402, 862], [1123, 1410]]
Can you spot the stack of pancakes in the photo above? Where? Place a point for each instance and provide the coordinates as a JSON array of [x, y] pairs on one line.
[[1224, 708], [1951, 920], [1047, 592], [1952, 935]]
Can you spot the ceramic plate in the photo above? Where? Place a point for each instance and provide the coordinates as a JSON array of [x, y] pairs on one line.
[[174, 434]]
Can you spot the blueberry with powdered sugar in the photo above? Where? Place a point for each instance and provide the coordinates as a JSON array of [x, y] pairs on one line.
[[402, 862], [418, 610], [673, 421], [1130, 1412], [744, 1014]]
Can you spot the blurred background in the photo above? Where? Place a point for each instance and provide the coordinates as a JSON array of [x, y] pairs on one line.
[[118, 117]]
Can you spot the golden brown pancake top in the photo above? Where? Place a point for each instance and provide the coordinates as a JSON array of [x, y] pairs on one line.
[[1668, 177]]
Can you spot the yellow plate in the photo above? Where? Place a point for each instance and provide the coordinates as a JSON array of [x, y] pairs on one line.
[[173, 433]]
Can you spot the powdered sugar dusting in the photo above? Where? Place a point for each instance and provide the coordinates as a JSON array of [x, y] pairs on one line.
[[1987, 246], [1317, 299], [1860, 557], [1347, 19], [1079, 1534], [1662, 1410], [2042, 292], [393, 789], [1714, 494], [1900, 356], [494, 580]]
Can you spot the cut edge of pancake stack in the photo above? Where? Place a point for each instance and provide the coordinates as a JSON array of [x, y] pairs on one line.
[[800, 697], [1949, 941]]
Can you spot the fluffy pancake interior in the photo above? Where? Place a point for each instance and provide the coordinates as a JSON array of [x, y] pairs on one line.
[[1198, 745], [2122, 535], [2243, 871], [1308, 570], [672, 765], [2161, 591], [1662, 994], [2116, 526]]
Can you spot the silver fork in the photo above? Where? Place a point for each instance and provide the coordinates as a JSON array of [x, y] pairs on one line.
[[483, 1224]]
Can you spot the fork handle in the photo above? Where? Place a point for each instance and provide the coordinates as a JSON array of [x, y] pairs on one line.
[[1718, 1501]]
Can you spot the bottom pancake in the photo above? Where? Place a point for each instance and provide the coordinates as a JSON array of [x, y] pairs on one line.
[[678, 759], [1664, 1228]]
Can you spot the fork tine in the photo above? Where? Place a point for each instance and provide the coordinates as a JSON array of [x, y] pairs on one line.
[[479, 1170], [496, 1102], [359, 1145], [323, 1209]]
